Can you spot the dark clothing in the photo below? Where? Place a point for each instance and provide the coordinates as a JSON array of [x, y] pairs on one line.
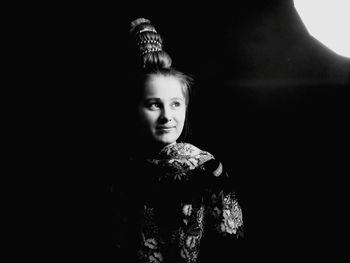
[[168, 205]]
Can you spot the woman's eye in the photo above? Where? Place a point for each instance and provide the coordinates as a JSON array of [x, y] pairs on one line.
[[176, 104], [153, 106]]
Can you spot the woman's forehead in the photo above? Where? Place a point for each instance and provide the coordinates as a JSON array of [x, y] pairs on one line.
[[163, 87]]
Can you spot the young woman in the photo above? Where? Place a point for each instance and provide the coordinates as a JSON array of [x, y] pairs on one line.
[[173, 195]]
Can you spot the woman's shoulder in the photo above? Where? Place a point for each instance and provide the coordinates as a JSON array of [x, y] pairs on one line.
[[208, 162], [184, 150]]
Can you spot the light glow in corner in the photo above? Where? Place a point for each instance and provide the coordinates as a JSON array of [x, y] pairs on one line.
[[328, 21]]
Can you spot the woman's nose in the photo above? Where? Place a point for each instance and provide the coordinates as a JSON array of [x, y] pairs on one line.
[[165, 114]]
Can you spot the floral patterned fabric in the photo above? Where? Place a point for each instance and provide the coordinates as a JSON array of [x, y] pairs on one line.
[[182, 194]]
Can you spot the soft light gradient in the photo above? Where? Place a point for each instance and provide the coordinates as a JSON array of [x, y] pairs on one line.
[[328, 21]]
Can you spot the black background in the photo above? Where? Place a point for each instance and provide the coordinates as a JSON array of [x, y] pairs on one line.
[[270, 101]]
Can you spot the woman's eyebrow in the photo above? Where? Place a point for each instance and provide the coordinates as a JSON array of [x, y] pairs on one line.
[[178, 98], [152, 98], [159, 99]]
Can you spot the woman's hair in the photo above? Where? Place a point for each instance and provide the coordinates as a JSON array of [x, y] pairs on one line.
[[149, 46], [149, 59]]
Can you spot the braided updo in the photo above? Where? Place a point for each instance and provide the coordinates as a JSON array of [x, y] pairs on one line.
[[149, 45]]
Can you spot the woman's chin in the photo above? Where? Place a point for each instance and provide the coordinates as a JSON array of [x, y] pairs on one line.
[[165, 140]]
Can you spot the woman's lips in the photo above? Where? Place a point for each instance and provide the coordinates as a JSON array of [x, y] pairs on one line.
[[165, 128]]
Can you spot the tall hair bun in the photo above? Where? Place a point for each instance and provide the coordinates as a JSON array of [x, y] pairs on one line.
[[149, 45]]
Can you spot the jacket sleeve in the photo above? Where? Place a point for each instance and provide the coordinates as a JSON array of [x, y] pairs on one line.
[[224, 213]]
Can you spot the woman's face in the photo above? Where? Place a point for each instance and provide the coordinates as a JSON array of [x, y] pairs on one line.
[[162, 109]]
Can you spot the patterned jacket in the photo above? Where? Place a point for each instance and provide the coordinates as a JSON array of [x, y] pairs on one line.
[[169, 202]]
